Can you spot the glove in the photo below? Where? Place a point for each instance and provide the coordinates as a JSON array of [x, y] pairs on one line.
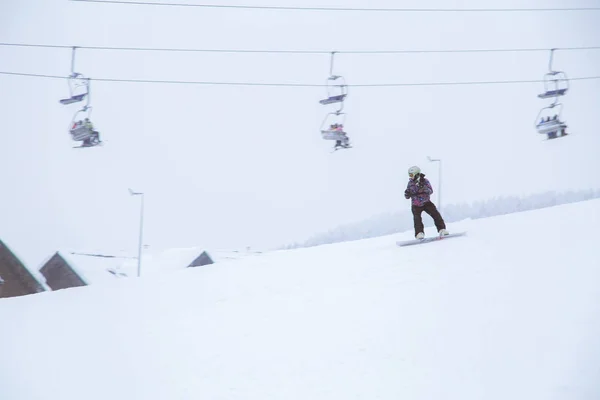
[[407, 193]]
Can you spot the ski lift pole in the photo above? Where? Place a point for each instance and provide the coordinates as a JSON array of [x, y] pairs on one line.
[[139, 270], [439, 180], [131, 192]]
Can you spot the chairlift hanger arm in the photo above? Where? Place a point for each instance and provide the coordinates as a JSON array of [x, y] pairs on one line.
[[551, 59], [89, 92], [331, 62], [73, 50]]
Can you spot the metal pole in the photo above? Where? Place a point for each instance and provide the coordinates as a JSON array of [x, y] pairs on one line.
[[139, 271], [139, 268], [439, 180], [440, 187]]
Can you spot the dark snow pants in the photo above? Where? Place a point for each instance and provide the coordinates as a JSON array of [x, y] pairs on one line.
[[430, 209]]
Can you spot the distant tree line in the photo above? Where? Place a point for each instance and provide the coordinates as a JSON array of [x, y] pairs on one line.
[[394, 222]]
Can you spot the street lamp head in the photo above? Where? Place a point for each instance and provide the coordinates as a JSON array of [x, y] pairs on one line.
[[433, 159], [131, 192]]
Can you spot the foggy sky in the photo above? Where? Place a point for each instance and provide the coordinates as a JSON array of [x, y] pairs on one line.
[[226, 166]]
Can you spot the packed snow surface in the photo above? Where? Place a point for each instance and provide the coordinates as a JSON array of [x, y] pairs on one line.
[[510, 311]]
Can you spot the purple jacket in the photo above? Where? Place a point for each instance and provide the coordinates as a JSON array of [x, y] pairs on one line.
[[418, 191]]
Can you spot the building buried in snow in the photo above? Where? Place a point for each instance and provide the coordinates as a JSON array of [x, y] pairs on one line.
[[170, 260], [60, 274], [67, 269], [190, 257], [202, 260], [15, 278]]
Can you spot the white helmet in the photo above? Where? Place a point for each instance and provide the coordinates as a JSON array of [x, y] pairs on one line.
[[414, 171]]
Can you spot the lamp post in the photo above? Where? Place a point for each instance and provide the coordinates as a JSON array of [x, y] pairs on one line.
[[439, 180], [139, 268]]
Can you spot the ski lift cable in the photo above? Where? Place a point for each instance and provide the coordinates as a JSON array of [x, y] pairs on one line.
[[298, 8], [281, 84], [406, 51], [101, 255]]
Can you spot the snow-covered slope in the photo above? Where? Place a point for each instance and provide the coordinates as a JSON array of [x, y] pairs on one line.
[[511, 311]]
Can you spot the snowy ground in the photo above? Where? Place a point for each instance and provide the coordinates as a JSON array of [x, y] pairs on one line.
[[512, 311]]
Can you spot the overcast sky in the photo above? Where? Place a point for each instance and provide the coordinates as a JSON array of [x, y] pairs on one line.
[[230, 166]]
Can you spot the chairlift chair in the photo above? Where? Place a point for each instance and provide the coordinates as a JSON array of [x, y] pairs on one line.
[[331, 119], [333, 129], [79, 131], [556, 84], [337, 90], [78, 88], [552, 126], [76, 82]]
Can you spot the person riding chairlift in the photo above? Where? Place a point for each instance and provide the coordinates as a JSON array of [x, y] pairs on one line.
[[94, 138], [336, 127]]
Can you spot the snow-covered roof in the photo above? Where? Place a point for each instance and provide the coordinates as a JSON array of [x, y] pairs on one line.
[[163, 261], [40, 278], [95, 268], [229, 255], [180, 258], [92, 267]]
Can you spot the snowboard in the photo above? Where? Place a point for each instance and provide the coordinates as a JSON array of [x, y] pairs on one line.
[[429, 239]]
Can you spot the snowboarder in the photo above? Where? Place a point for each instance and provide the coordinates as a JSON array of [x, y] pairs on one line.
[[418, 190]]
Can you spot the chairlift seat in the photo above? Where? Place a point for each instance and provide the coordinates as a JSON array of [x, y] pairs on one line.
[[333, 135], [81, 132], [550, 126], [552, 93], [333, 99], [73, 99]]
